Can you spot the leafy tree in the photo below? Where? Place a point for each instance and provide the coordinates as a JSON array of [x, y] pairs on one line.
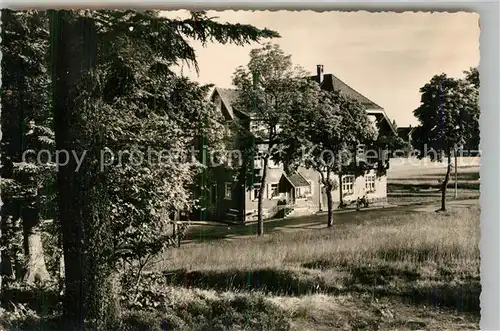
[[118, 77], [312, 137], [321, 133], [26, 127], [265, 91], [472, 77], [356, 129], [448, 115]]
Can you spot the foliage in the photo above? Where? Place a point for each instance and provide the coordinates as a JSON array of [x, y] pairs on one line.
[[27, 181], [266, 88], [120, 96], [449, 118], [178, 308], [322, 132], [126, 100], [472, 77], [448, 112], [147, 106]]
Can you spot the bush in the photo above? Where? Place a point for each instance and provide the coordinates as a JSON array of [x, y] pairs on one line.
[[184, 309]]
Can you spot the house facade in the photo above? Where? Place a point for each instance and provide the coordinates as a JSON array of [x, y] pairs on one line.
[[234, 193]]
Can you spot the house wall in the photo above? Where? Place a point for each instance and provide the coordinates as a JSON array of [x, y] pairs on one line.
[[218, 205], [243, 198], [359, 189], [313, 177], [317, 200], [272, 177]]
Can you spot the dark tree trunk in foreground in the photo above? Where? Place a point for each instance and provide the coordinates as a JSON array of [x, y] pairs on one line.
[[90, 287], [260, 219], [329, 202], [445, 184], [65, 73]]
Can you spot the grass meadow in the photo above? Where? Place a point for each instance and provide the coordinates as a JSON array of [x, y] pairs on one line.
[[409, 185], [417, 271], [395, 270], [389, 269]]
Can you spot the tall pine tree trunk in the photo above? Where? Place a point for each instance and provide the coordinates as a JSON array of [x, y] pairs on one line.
[[445, 184], [65, 74], [260, 219], [89, 293], [90, 287]]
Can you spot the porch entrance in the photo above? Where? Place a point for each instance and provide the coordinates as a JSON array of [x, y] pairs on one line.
[[294, 187]]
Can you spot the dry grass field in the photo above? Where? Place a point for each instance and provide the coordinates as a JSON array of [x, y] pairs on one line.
[[408, 184], [408, 272], [389, 269], [393, 269]]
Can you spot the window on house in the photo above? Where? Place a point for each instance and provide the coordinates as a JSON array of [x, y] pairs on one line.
[[348, 184], [258, 161], [360, 154], [370, 183], [273, 191], [255, 191], [309, 190], [228, 190], [302, 192]]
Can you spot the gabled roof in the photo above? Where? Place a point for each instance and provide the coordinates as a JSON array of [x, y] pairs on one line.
[[296, 179], [330, 82], [227, 97]]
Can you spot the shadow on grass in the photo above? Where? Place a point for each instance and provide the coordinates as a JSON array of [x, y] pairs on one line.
[[238, 313], [463, 297], [365, 275], [41, 300], [406, 284], [275, 281]]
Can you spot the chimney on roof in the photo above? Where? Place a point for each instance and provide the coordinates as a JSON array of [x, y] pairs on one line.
[[319, 70]]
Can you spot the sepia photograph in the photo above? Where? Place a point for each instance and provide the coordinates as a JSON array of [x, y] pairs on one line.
[[239, 170]]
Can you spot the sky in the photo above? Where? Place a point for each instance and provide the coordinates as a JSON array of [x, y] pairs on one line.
[[385, 56]]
